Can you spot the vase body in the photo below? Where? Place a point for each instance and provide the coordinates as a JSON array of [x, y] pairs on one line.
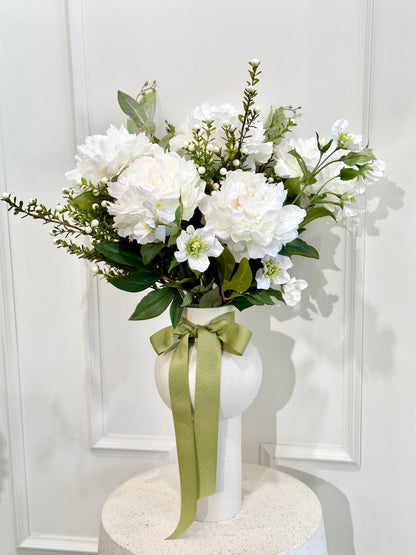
[[240, 383]]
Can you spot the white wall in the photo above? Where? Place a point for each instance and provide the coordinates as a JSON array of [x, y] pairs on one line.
[[79, 412]]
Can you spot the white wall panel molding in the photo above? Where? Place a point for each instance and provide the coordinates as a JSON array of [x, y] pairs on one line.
[[99, 438], [350, 449], [8, 332], [60, 543]]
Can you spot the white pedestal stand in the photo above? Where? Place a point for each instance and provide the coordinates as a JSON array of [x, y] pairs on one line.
[[280, 516]]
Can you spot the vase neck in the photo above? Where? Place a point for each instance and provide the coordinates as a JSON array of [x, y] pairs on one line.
[[203, 316]]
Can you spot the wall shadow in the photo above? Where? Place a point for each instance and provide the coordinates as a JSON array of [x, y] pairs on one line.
[[336, 512]]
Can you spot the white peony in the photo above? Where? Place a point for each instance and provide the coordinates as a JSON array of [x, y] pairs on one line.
[[247, 213], [196, 245], [291, 291], [286, 164], [258, 151], [147, 196], [105, 156], [273, 271]]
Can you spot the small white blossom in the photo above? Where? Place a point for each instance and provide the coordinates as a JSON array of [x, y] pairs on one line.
[[250, 88], [95, 223], [291, 291], [236, 163], [196, 245], [273, 271], [201, 170], [104, 203], [95, 269], [95, 206], [6, 195], [255, 62], [88, 229], [59, 208], [223, 171], [344, 139]]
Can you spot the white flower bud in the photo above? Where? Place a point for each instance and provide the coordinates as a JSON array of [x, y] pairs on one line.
[[185, 145], [244, 151], [226, 123], [215, 186], [223, 171], [65, 191], [196, 127], [210, 147], [95, 269], [236, 163], [59, 208], [32, 201], [191, 147], [104, 180], [88, 229], [250, 88], [104, 203], [270, 180], [79, 182], [213, 193], [256, 109], [52, 232], [201, 170], [95, 206], [95, 223], [38, 209], [254, 62], [216, 149], [5, 195], [96, 193]]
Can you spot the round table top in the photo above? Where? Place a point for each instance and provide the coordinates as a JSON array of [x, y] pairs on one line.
[[279, 514]]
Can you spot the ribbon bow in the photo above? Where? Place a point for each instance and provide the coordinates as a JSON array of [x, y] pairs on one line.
[[196, 429]]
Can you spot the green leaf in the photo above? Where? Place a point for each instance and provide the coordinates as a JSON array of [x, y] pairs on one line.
[[174, 234], [241, 303], [262, 295], [153, 304], [188, 299], [84, 201], [241, 280], [136, 281], [225, 264], [133, 109], [353, 158], [179, 212], [210, 299], [121, 253], [315, 213], [176, 310], [276, 293], [150, 251], [132, 127], [148, 100], [164, 141], [301, 248], [300, 161], [347, 174], [292, 185]]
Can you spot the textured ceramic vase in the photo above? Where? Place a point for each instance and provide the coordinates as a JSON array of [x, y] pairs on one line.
[[240, 383]]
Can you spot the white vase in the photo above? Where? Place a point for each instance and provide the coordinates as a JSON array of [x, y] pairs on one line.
[[240, 383]]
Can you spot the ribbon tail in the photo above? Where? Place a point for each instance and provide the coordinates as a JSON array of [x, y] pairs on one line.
[[185, 438], [206, 411]]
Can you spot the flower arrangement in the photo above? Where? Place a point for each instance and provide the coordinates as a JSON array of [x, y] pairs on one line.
[[211, 213]]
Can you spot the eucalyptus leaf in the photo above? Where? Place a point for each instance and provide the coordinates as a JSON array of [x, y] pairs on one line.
[[132, 127], [135, 112], [164, 141], [153, 304], [148, 100]]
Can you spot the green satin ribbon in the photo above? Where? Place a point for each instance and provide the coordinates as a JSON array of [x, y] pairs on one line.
[[196, 429]]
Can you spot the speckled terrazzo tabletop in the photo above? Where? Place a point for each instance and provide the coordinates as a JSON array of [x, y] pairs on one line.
[[280, 515]]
